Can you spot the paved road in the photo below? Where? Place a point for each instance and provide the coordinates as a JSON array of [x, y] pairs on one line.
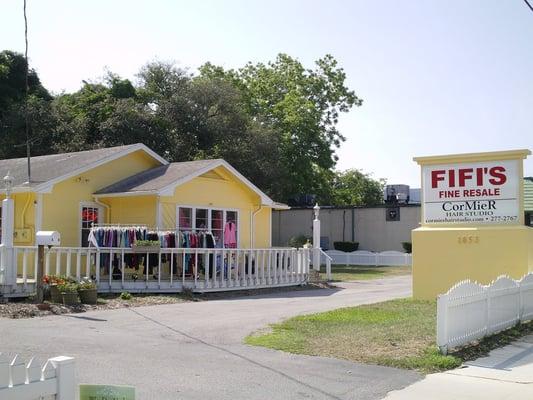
[[195, 350]]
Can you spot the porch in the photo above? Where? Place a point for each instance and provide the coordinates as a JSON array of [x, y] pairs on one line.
[[164, 270]]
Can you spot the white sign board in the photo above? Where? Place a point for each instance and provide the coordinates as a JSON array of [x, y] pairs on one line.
[[478, 193]]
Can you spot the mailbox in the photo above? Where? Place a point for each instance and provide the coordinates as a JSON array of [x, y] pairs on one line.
[[48, 238]]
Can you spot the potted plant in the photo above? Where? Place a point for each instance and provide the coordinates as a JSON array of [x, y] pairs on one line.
[[146, 246], [53, 281], [87, 291], [69, 293]]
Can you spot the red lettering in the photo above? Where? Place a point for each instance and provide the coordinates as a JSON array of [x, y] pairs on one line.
[[451, 177], [498, 176], [464, 174], [436, 177], [479, 176]]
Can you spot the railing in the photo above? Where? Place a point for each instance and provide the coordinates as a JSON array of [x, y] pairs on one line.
[[32, 381], [470, 311], [168, 269], [328, 259], [362, 257]]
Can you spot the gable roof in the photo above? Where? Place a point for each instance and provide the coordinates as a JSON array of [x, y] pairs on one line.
[[53, 168], [164, 179], [528, 193]]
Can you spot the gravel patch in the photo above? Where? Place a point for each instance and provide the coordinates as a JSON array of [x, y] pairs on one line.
[[26, 309]]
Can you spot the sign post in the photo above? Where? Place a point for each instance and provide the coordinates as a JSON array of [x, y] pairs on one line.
[[472, 223]]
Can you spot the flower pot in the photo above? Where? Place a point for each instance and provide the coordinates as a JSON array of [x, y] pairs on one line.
[[70, 298], [145, 249], [55, 294], [88, 296]]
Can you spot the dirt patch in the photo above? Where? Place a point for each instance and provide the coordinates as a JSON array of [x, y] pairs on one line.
[[27, 309]]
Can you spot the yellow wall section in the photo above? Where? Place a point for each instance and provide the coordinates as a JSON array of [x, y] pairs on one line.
[[23, 219], [61, 208], [132, 210], [220, 193], [441, 259]]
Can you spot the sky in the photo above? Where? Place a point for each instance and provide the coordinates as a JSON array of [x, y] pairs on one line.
[[436, 77]]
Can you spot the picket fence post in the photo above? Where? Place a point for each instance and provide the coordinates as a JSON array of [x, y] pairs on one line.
[[442, 323], [66, 384]]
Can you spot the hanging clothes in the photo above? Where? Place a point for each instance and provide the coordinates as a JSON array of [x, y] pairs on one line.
[[230, 235]]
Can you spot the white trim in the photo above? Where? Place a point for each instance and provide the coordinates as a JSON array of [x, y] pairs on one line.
[[91, 204], [128, 194], [169, 189], [209, 220], [47, 186]]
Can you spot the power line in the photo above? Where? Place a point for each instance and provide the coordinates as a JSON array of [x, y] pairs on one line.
[[528, 4], [27, 125]]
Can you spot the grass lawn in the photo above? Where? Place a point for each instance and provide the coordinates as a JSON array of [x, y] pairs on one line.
[[360, 272], [397, 333]]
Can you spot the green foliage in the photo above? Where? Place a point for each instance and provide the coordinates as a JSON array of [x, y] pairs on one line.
[[275, 122], [346, 246], [68, 287], [299, 240], [354, 188], [408, 247], [126, 296]]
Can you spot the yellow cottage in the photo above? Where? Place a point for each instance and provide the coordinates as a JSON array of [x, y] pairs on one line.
[[132, 186]]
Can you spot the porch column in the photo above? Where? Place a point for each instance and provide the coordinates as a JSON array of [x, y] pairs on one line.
[[316, 239], [7, 272]]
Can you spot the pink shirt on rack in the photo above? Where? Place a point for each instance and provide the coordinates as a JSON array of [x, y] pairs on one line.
[[230, 234]]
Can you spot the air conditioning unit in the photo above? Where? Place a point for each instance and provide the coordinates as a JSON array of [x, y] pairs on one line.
[[396, 194]]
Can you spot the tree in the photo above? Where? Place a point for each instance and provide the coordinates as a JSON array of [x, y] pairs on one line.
[[302, 106], [354, 188]]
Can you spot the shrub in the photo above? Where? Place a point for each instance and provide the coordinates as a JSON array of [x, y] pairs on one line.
[[407, 246], [86, 284], [347, 247], [299, 241], [68, 288], [125, 296]]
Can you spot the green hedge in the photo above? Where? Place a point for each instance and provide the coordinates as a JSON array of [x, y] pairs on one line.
[[346, 246], [407, 246]]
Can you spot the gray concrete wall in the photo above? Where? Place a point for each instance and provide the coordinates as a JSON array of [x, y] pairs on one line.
[[368, 226]]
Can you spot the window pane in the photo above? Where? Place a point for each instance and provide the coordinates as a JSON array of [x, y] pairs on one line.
[[201, 219], [185, 218], [217, 219]]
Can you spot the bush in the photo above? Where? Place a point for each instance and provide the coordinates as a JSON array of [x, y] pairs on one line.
[[68, 288], [347, 247], [408, 247], [125, 296], [299, 241]]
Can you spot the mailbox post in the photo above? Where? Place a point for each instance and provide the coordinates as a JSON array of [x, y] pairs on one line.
[[43, 238]]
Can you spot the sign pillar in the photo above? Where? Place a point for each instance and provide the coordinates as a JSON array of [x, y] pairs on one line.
[[316, 239], [472, 223]]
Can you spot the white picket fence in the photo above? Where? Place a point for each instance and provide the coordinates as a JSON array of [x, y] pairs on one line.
[[470, 311], [160, 270], [363, 257], [34, 381]]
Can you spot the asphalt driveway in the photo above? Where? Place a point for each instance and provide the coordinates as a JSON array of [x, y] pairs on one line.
[[195, 350]]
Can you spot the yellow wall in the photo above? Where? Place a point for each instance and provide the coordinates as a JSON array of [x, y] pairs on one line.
[[224, 192], [441, 258], [61, 208], [24, 218], [132, 210]]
